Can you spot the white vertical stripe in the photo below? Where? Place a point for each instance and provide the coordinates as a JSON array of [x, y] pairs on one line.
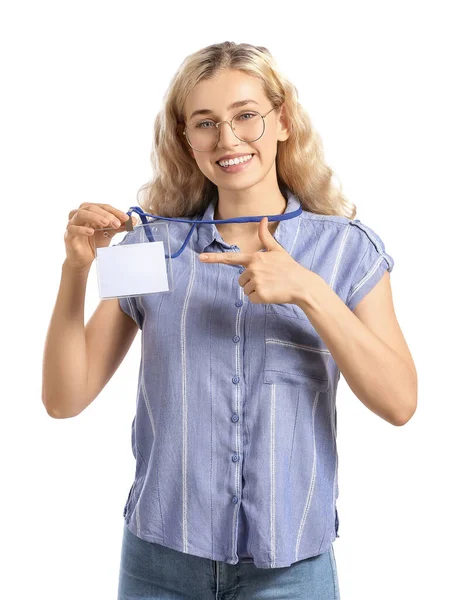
[[183, 338], [294, 241], [147, 405], [295, 237], [273, 475], [339, 257], [331, 395], [146, 399], [312, 481], [131, 309], [364, 279]]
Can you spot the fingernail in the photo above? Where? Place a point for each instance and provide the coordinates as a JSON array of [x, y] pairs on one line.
[[116, 223]]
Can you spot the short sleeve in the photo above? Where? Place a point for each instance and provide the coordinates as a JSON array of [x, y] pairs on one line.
[[129, 304], [373, 261]]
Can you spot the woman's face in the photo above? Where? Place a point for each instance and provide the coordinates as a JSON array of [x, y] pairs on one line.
[[216, 95]]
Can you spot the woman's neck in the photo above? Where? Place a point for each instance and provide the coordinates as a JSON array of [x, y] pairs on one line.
[[247, 203]]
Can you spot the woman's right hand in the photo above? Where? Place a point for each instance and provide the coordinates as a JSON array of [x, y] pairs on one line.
[[80, 238]]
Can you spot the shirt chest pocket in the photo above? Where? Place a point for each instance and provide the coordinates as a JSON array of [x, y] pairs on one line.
[[294, 352]]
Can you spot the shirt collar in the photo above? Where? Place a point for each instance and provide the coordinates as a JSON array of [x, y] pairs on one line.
[[284, 234]]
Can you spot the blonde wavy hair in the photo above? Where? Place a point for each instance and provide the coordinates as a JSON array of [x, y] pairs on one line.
[[178, 187]]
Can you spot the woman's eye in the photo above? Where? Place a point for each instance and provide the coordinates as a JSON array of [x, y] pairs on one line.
[[245, 115], [199, 125]]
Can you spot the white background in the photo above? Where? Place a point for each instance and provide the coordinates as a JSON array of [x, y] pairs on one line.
[[82, 83]]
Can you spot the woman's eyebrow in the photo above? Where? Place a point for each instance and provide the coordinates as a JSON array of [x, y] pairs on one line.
[[207, 111]]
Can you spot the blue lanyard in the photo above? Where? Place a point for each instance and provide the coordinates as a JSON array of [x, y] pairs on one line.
[[143, 215]]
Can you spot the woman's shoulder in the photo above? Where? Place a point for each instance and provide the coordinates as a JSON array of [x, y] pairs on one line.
[[332, 223], [351, 236]]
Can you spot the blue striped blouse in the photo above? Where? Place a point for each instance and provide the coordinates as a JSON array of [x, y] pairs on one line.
[[234, 435]]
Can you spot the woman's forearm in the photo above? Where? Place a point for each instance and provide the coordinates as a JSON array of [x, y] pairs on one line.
[[65, 372], [377, 375]]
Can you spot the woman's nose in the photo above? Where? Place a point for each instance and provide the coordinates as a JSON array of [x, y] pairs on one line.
[[227, 135]]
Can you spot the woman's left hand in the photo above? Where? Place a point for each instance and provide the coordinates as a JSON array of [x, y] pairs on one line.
[[271, 277]]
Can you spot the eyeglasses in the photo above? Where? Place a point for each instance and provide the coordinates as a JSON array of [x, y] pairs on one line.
[[248, 126]]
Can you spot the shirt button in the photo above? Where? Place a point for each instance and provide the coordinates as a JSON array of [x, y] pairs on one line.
[[235, 499], [236, 338], [235, 458], [235, 418], [241, 270], [235, 379], [239, 303]]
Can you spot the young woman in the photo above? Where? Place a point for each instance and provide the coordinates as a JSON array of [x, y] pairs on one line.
[[235, 487]]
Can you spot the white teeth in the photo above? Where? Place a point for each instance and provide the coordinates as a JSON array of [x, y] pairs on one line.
[[235, 161]]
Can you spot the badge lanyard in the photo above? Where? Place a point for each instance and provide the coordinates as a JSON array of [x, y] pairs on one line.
[[143, 215]]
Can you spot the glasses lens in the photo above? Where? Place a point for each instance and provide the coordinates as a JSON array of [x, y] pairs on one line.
[[248, 126], [203, 134]]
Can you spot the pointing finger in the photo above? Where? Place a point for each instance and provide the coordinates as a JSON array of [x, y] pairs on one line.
[[229, 258]]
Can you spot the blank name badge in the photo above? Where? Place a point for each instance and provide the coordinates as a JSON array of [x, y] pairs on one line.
[[131, 269]]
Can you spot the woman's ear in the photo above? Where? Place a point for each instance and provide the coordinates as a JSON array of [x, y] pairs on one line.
[[284, 126]]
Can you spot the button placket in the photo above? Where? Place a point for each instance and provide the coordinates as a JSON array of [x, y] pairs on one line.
[[236, 379]]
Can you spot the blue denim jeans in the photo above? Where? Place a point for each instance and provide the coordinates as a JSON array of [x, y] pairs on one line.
[[150, 571]]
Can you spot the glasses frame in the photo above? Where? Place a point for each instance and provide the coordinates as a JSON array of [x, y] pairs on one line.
[[231, 127]]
